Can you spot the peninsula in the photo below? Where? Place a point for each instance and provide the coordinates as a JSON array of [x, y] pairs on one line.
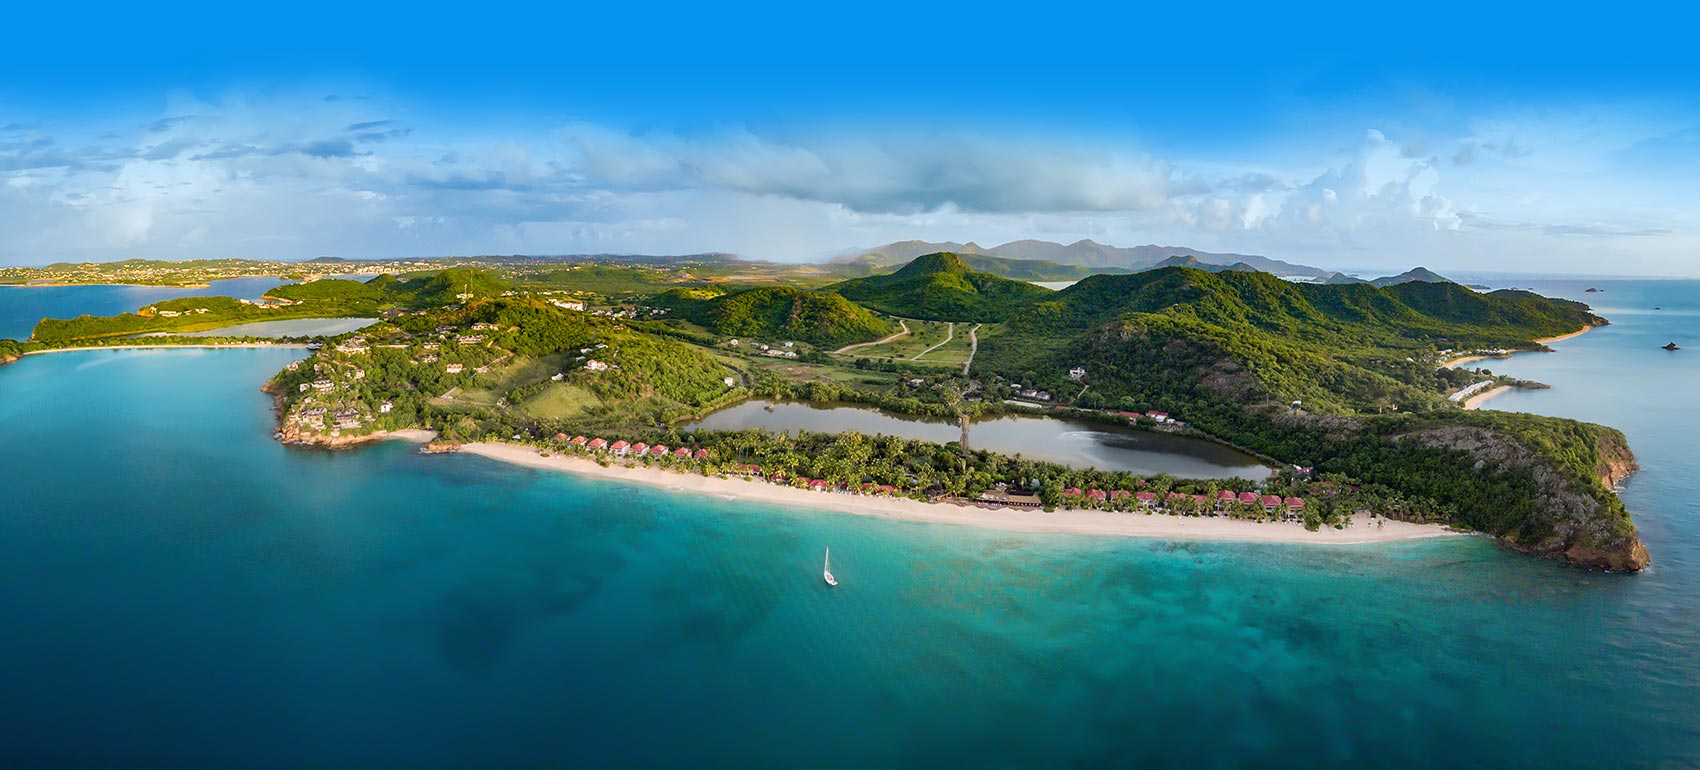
[[1338, 386]]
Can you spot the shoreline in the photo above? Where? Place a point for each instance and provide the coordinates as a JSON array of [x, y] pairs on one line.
[[1476, 401], [119, 285], [1461, 360], [1063, 521], [299, 345]]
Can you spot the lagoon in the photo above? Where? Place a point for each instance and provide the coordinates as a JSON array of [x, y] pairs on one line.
[[1076, 443]]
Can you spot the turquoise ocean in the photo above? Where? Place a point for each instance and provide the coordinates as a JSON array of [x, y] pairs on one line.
[[179, 590]]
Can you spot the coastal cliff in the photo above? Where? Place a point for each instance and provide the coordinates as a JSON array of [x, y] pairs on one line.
[[1561, 513]]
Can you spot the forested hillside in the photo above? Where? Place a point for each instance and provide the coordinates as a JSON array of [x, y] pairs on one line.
[[778, 312], [941, 287]]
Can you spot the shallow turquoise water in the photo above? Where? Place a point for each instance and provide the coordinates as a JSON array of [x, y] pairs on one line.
[[180, 590]]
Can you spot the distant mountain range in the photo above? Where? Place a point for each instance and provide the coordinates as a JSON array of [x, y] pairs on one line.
[[1089, 255]]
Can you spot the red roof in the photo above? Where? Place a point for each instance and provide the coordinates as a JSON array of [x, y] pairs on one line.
[[1072, 491], [1178, 496], [598, 443], [1248, 497], [640, 447], [1296, 503], [1117, 494], [1225, 496], [1096, 494], [819, 484], [682, 452], [701, 453], [1201, 499], [619, 445], [1146, 497], [1270, 501], [579, 440], [560, 437], [658, 450], [1154, 413]]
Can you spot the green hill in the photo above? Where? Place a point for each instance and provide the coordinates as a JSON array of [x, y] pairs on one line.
[[778, 312], [1230, 352], [941, 287]]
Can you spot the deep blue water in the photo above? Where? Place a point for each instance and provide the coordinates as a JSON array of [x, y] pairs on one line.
[[180, 590]]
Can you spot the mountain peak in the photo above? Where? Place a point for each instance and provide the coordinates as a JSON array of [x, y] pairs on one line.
[[937, 262]]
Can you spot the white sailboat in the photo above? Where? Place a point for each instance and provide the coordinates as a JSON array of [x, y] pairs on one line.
[[826, 570]]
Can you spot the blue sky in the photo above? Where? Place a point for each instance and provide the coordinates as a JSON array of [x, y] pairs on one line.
[[1514, 139]]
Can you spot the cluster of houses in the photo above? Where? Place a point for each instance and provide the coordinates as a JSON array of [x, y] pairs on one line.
[[623, 448], [150, 310], [782, 350]]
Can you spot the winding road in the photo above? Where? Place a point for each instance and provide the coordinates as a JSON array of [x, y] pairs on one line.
[[848, 348], [949, 332], [973, 348]]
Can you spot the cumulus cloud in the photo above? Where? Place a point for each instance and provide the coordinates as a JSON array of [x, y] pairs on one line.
[[280, 178]]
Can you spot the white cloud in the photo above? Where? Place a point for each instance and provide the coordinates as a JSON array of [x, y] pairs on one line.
[[292, 178]]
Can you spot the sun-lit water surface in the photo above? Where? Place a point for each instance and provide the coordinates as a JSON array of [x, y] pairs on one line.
[[182, 590]]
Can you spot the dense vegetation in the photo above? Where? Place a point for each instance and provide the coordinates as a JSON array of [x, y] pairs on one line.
[[779, 313], [315, 299], [1342, 378], [941, 287]]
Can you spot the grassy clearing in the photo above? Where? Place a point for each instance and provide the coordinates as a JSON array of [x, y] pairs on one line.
[[561, 401], [922, 335]]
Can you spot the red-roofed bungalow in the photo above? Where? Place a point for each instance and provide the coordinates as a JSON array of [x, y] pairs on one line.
[[701, 453], [1271, 502], [1146, 498], [640, 449], [560, 437], [598, 443], [1072, 492], [579, 440], [1249, 498], [1096, 494], [1295, 503], [683, 453], [620, 447], [658, 450]]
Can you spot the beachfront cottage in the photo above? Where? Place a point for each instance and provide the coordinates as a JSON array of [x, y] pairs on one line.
[[658, 450], [1096, 495], [1071, 492], [1248, 498], [1146, 499], [560, 437], [1160, 417], [701, 454], [620, 447], [640, 449], [682, 453], [580, 441], [1271, 502], [385, 407], [598, 444], [820, 485], [1224, 498]]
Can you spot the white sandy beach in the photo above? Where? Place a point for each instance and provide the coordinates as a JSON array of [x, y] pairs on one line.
[[1461, 360], [1476, 401], [1082, 522]]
